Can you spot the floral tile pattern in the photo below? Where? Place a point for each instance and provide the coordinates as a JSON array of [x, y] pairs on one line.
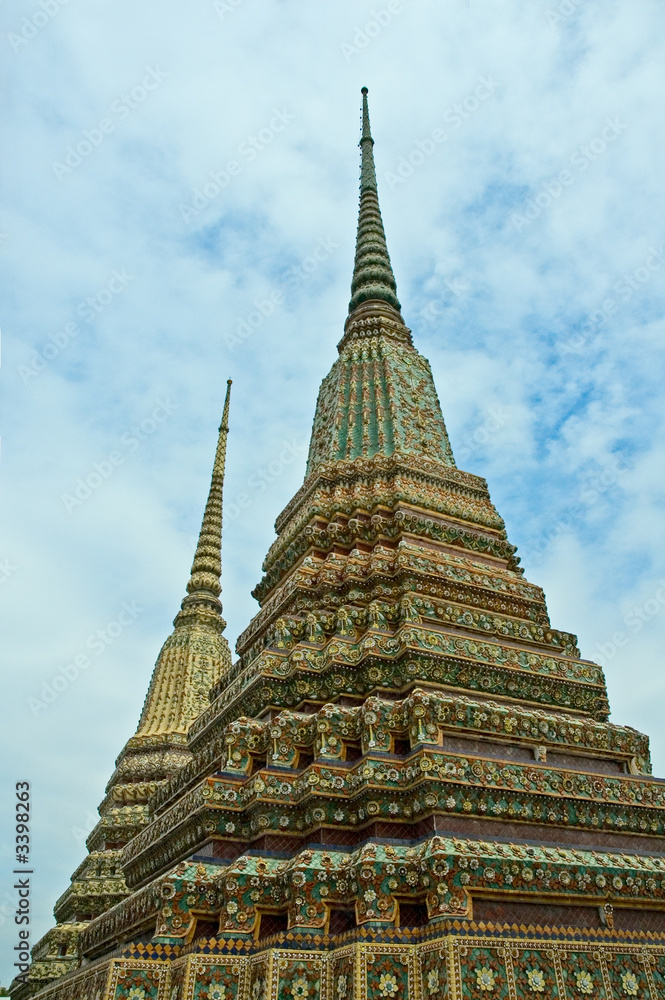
[[142, 982], [583, 976], [177, 985], [434, 974], [387, 976], [342, 976], [628, 976], [483, 974], [299, 980], [483, 968], [215, 981], [535, 975]]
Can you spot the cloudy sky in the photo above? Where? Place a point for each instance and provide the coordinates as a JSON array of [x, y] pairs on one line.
[[180, 188]]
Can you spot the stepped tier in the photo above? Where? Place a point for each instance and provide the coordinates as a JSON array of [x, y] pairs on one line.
[[446, 875], [403, 769]]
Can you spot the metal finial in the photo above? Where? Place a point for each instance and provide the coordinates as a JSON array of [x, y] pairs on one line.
[[366, 133]]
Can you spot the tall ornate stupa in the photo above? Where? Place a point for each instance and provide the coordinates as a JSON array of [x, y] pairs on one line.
[[406, 785]]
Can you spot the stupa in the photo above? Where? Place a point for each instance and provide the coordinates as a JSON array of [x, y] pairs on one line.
[[407, 784]]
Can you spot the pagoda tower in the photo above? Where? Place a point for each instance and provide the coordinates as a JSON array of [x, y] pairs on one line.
[[407, 784], [191, 660]]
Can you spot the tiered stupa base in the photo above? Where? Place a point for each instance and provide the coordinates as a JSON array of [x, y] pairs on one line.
[[457, 961]]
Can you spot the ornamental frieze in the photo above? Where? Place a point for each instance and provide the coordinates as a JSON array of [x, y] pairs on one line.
[[453, 577], [295, 681], [324, 733], [319, 624], [381, 496], [345, 650], [368, 531], [366, 468], [429, 781], [470, 965], [447, 873]]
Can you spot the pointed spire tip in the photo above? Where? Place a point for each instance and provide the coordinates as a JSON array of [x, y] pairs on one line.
[[372, 273], [204, 583]]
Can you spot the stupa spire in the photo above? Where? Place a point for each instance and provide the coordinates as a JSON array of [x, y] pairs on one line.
[[373, 276], [205, 579], [379, 397], [196, 654], [194, 658]]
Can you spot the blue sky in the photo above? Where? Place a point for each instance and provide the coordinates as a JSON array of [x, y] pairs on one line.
[[169, 172]]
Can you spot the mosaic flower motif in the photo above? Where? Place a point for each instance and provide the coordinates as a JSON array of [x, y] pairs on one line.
[[584, 983], [536, 980], [341, 986], [300, 987], [486, 979], [629, 983], [257, 989], [433, 980], [388, 985], [137, 993]]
